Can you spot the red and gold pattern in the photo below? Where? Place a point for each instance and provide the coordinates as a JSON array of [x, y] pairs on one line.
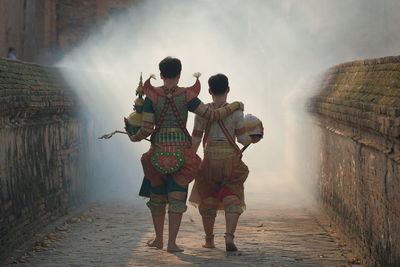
[[193, 91], [152, 92], [219, 178], [167, 159], [186, 173]]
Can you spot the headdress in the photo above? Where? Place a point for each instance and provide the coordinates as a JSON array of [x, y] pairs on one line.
[[254, 126], [134, 120]]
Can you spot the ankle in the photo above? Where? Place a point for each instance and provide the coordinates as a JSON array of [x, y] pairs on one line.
[[229, 243], [229, 236], [171, 242], [209, 238]]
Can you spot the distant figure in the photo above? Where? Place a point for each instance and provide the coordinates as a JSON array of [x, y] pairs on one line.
[[11, 53]]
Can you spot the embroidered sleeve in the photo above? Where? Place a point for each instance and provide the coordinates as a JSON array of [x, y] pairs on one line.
[[240, 130], [209, 113], [148, 121]]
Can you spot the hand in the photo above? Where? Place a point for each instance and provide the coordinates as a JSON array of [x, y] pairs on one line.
[[241, 105], [134, 138], [255, 139]]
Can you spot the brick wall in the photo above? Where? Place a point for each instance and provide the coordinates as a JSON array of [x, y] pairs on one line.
[[44, 150], [42, 31], [358, 109], [29, 27], [76, 19]]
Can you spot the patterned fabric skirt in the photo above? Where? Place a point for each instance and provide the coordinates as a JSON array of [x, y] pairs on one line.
[[186, 171], [221, 173]]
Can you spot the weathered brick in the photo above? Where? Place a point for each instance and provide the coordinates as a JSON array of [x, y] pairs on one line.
[[37, 124], [358, 109]]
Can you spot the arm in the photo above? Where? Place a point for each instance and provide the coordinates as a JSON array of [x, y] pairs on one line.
[[198, 131], [240, 130], [148, 122], [195, 105]]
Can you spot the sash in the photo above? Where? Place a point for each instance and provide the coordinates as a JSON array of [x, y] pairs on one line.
[[230, 138], [168, 159]]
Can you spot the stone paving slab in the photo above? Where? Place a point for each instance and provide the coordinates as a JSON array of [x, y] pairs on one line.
[[115, 235]]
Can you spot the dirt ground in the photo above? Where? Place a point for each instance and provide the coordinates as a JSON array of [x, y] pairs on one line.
[[115, 234]]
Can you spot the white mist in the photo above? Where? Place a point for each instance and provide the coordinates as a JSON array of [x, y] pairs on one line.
[[270, 50]]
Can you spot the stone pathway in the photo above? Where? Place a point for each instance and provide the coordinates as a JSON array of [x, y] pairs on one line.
[[115, 235]]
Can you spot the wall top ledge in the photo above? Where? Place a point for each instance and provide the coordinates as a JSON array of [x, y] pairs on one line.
[[362, 93], [29, 90]]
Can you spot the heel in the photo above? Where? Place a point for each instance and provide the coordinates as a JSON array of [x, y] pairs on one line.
[[230, 246], [209, 240]]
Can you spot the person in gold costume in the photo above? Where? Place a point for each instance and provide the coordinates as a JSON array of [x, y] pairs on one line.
[[219, 184]]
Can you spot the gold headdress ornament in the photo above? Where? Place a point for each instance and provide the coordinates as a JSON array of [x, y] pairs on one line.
[[139, 89], [139, 101], [134, 120]]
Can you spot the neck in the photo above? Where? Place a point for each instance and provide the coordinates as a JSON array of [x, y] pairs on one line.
[[169, 85], [219, 99]]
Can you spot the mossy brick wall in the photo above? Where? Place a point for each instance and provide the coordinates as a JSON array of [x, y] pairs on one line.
[[358, 109], [44, 150]]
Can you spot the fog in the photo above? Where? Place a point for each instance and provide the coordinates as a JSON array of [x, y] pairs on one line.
[[273, 53]]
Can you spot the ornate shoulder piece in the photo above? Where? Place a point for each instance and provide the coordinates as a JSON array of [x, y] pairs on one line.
[[194, 90], [149, 90]]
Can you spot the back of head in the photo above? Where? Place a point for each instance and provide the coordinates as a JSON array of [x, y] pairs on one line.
[[218, 84], [11, 49], [170, 67]]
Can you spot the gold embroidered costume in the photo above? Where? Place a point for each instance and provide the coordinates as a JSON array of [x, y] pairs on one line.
[[219, 184]]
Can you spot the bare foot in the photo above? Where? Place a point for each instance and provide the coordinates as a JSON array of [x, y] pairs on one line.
[[173, 248], [229, 243], [209, 242], [209, 245], [155, 243]]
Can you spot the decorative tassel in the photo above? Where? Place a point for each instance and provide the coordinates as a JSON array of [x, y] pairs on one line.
[[197, 74]]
